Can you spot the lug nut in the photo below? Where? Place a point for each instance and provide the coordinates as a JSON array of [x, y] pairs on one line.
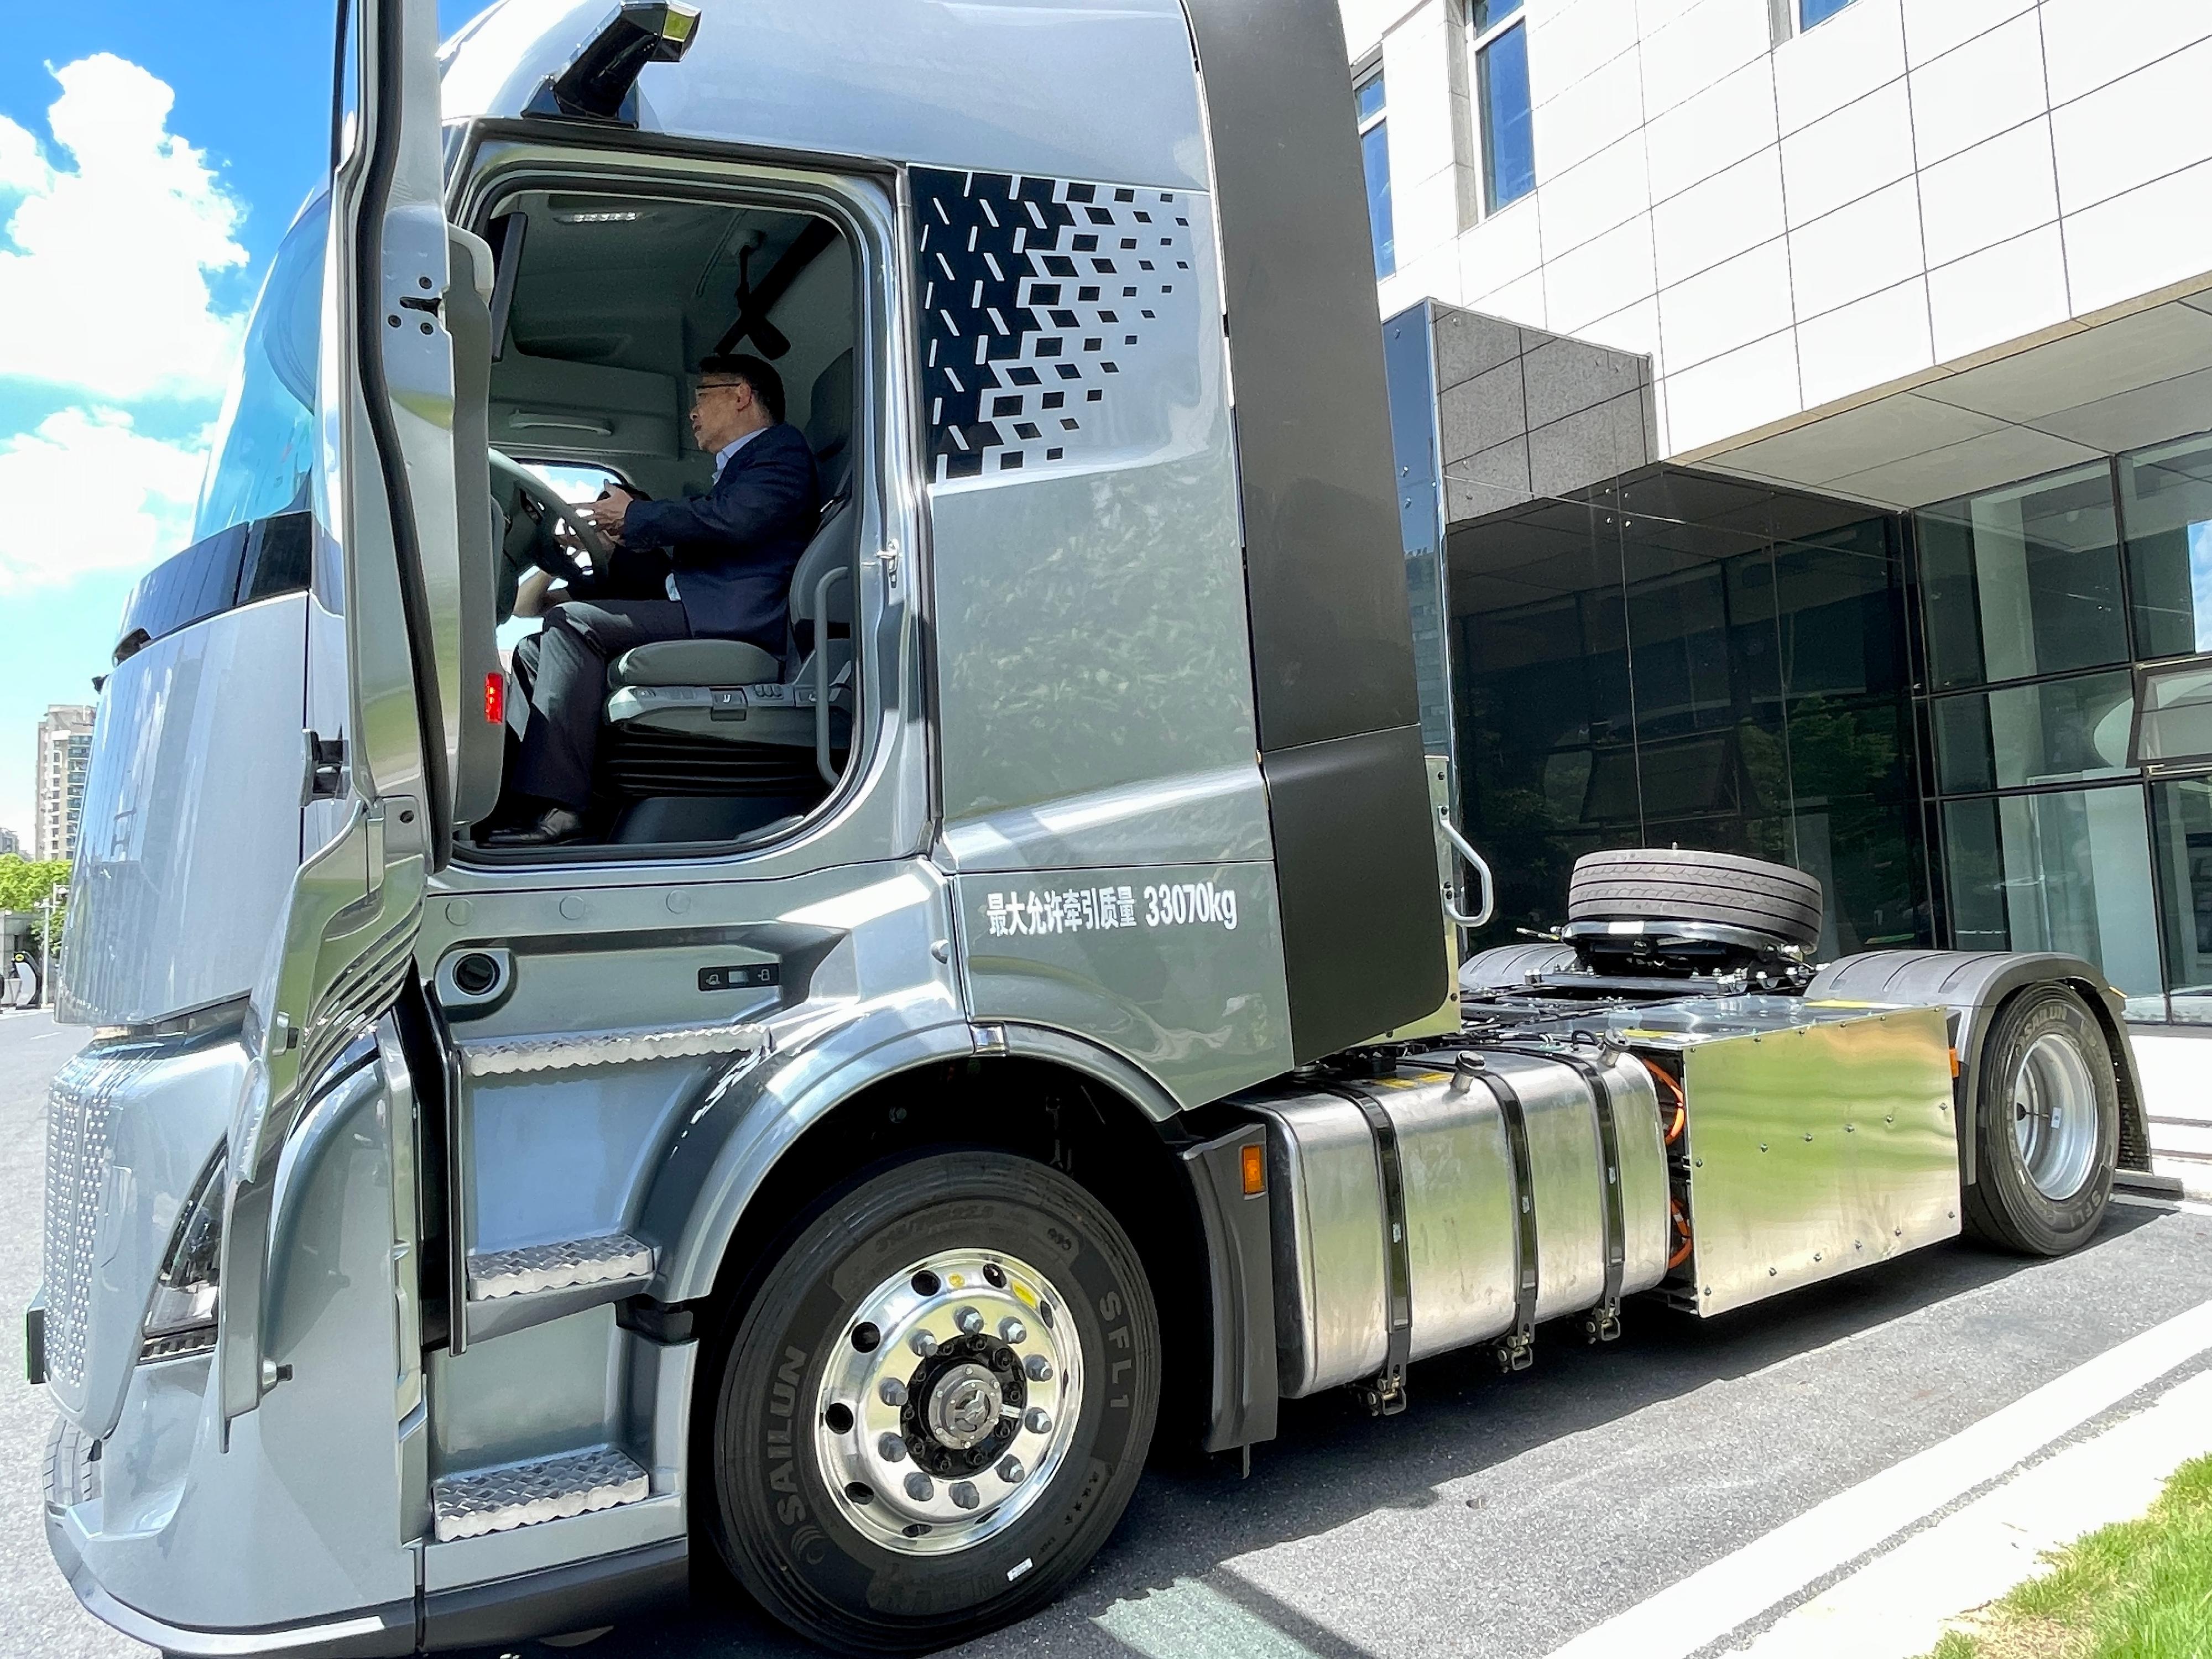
[[892, 1392], [919, 1487], [969, 1321], [1037, 1420], [963, 1494], [1012, 1472], [891, 1449], [922, 1343], [1038, 1367], [1012, 1330]]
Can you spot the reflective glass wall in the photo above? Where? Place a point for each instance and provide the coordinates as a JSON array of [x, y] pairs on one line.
[[2049, 608], [1678, 658]]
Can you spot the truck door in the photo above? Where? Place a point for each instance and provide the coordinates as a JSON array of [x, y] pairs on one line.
[[405, 346]]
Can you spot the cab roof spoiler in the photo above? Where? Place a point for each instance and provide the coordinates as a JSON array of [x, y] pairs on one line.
[[600, 83]]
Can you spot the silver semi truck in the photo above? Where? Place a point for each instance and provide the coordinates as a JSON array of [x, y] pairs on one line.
[[1013, 1023]]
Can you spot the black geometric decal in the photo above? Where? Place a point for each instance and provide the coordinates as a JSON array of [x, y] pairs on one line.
[[1023, 280]]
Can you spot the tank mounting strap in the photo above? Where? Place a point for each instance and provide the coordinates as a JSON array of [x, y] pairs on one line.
[[1384, 1394], [1602, 1322], [1516, 1351]]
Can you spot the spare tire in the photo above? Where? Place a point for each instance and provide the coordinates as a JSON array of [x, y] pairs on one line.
[[1652, 883]]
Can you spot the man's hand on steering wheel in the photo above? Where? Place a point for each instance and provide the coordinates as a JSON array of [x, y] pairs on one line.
[[606, 512]]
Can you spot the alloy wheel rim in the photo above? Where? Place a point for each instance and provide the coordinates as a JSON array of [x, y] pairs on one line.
[[950, 1402], [2054, 1116]]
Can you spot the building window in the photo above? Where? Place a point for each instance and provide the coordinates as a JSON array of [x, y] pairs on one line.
[[1501, 74], [2024, 582], [2165, 494], [2064, 870], [1374, 158], [1789, 17]]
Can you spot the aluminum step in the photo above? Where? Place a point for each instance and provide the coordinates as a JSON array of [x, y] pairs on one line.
[[543, 1489], [567, 1265]]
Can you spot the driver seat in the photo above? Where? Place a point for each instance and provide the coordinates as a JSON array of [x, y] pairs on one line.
[[690, 717]]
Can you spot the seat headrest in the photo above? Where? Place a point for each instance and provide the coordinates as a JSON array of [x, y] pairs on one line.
[[829, 419]]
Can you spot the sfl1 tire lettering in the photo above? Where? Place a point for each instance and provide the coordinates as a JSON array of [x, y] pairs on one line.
[[845, 1553]]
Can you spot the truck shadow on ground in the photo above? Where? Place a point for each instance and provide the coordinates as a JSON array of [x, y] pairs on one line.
[[1330, 1463]]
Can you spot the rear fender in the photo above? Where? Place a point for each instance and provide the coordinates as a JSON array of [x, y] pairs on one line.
[[1972, 986]]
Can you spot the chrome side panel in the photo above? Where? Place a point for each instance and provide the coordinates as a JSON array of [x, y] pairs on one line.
[[191, 818], [130, 1128], [1818, 1147], [1103, 90], [304, 1518], [1326, 1192]]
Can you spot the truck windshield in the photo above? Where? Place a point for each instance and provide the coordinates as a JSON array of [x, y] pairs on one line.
[[263, 460]]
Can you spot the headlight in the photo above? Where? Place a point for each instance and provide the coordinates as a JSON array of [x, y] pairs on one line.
[[181, 1320]]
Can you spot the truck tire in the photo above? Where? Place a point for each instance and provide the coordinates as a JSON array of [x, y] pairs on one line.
[[2047, 1126], [1654, 883], [884, 1494]]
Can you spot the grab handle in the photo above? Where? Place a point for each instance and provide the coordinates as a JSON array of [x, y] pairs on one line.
[[1466, 849], [831, 578]]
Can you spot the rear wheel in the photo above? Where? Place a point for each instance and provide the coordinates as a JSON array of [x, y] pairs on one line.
[[936, 1407], [2046, 1125]]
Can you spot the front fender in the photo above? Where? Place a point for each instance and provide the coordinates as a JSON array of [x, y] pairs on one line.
[[731, 1141]]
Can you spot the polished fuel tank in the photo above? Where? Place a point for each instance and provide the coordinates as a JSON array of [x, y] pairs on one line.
[[1462, 1195]]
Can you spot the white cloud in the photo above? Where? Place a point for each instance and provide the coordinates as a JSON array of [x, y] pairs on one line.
[[106, 290], [89, 491]]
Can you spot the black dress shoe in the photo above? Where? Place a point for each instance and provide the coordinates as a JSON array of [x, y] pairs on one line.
[[551, 827]]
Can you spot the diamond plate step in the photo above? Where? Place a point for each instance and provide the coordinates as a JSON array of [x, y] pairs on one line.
[[569, 1264], [544, 1489]]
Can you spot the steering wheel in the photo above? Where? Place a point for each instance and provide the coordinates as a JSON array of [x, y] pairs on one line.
[[535, 501]]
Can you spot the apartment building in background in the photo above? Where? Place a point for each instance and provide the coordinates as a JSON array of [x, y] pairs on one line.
[[1805, 413], [11, 844], [65, 754]]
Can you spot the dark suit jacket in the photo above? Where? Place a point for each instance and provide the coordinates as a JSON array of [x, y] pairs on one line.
[[734, 549]]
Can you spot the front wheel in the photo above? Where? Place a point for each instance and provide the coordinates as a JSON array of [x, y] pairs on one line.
[[2047, 1126], [936, 1406]]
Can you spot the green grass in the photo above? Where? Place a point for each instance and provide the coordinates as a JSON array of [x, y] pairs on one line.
[[2141, 1589]]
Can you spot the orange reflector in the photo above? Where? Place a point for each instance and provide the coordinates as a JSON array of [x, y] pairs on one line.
[[494, 699], [1955, 1065], [1256, 1171]]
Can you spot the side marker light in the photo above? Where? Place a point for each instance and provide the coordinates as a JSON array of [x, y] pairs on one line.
[[494, 699], [1256, 1171]]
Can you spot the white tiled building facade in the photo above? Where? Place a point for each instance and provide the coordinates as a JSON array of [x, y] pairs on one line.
[[64, 755], [1817, 232]]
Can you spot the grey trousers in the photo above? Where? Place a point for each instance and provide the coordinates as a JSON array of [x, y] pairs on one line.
[[562, 670]]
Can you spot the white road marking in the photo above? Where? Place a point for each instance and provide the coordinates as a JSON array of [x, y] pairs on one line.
[[1899, 1604], [1188, 1618], [1702, 1609]]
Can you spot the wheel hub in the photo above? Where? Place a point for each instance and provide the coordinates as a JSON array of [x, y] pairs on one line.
[[950, 1403], [964, 1408], [2054, 1110]]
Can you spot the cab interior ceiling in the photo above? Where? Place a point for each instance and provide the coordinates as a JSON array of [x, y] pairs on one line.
[[616, 298]]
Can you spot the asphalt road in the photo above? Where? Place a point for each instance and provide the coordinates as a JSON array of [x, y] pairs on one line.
[[1498, 1517]]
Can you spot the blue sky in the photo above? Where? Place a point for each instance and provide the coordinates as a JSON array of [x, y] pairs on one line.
[[151, 155]]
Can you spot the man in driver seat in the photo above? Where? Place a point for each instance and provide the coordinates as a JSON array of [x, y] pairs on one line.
[[732, 553]]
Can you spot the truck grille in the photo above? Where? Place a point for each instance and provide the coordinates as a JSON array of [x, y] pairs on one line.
[[78, 1107]]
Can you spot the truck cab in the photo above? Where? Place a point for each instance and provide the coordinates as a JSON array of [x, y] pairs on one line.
[[1007, 1019]]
